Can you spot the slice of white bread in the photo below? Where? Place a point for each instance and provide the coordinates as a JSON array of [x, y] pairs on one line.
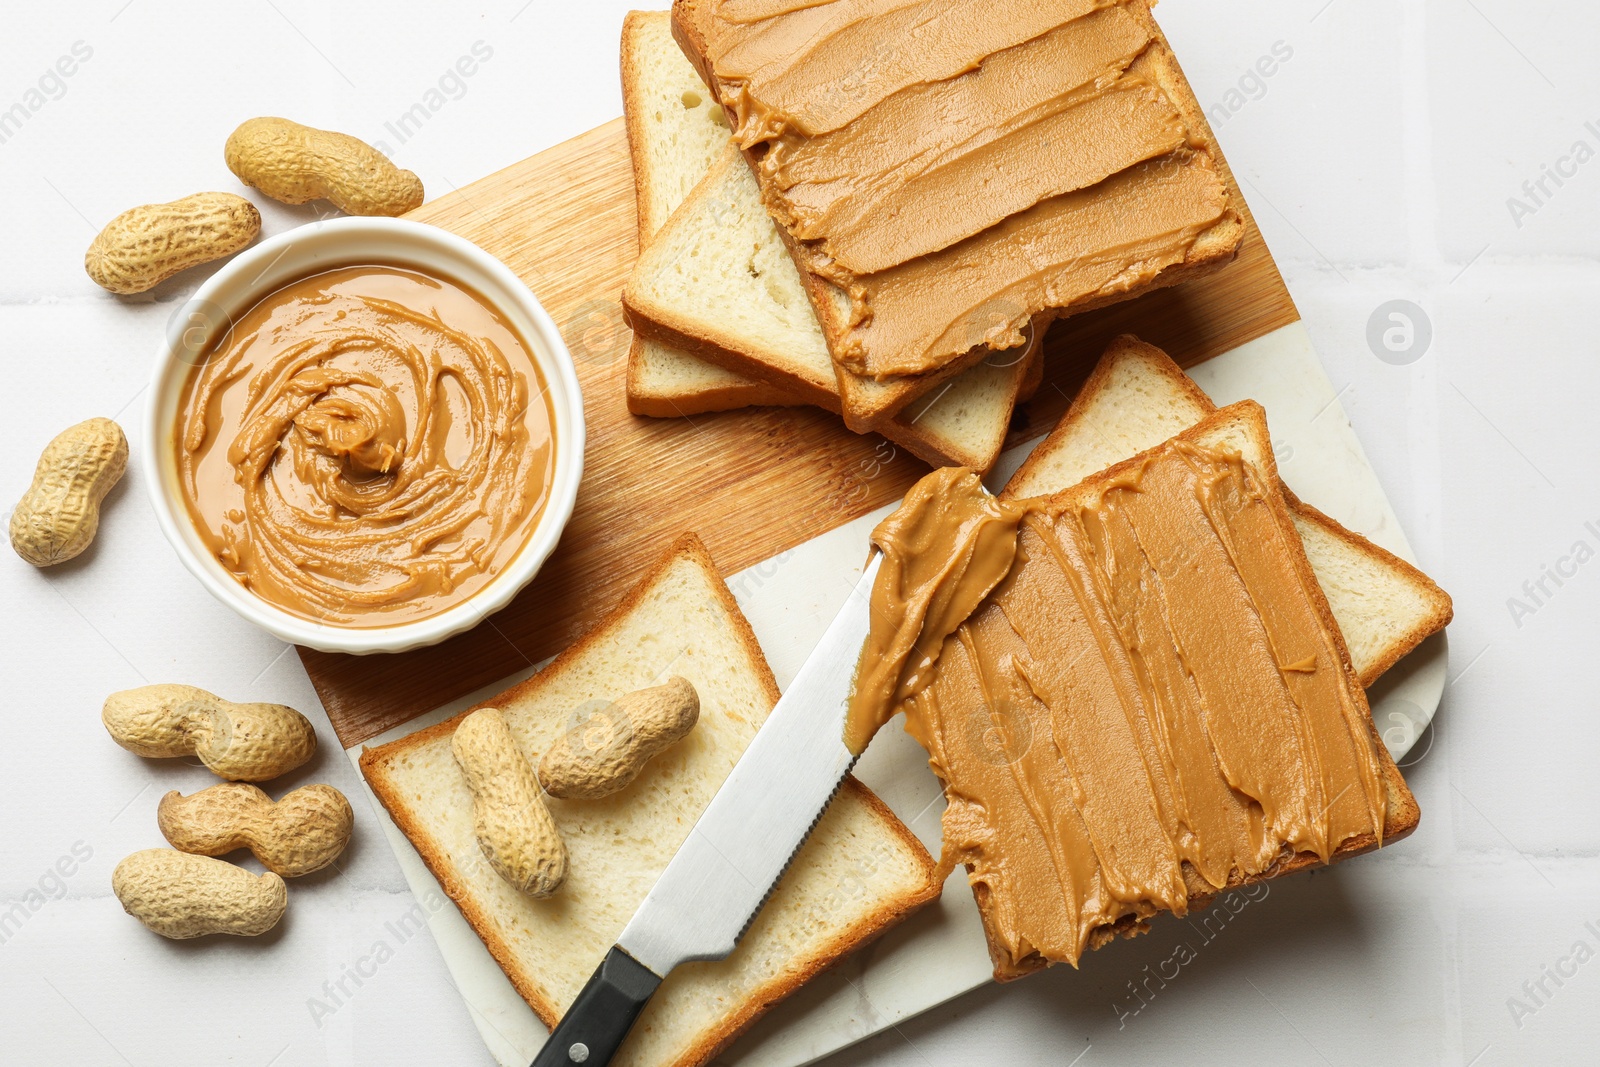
[[1239, 428], [1137, 398], [718, 282], [860, 872], [675, 132], [666, 383]]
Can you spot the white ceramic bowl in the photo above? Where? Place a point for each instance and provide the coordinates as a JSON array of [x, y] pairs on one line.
[[231, 292]]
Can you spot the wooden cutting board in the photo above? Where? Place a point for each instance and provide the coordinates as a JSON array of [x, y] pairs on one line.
[[751, 483]]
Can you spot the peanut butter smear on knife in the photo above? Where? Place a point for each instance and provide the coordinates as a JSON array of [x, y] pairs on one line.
[[1133, 691]]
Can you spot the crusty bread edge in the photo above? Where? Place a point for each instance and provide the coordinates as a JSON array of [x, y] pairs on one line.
[[860, 412], [373, 762], [793, 388], [1033, 377], [889, 409], [865, 932], [1091, 388], [375, 769], [857, 417], [1212, 250], [1215, 247], [1442, 609], [891, 912], [664, 325], [633, 123], [702, 401], [1402, 813], [688, 546], [667, 325]]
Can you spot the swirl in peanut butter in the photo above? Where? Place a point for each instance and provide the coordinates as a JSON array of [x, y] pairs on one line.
[[366, 447]]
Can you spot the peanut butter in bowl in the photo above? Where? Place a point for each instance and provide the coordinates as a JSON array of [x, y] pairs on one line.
[[366, 446]]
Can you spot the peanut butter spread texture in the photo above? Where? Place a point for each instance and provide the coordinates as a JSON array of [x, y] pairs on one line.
[[1133, 692], [956, 167], [366, 447]]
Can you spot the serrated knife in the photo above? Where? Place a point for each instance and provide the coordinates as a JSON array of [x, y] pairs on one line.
[[722, 873]]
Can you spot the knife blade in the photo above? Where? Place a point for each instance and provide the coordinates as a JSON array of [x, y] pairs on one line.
[[732, 859]]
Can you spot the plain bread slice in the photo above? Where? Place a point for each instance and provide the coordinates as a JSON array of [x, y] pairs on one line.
[[675, 132]]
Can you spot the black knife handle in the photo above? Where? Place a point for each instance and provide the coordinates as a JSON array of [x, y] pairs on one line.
[[594, 1027]]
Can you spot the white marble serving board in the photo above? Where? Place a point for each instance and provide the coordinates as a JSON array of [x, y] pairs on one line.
[[939, 953]]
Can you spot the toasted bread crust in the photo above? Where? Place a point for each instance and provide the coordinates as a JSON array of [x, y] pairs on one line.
[[931, 449], [633, 123], [866, 932], [375, 768], [1093, 386], [860, 414], [664, 325], [1441, 606]]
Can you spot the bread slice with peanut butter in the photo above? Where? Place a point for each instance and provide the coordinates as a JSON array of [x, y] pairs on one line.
[[943, 172], [1153, 706], [721, 317]]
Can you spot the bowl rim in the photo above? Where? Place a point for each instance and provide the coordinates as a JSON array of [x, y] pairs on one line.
[[426, 244]]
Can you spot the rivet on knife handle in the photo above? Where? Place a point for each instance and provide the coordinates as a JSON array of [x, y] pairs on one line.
[[594, 1027]]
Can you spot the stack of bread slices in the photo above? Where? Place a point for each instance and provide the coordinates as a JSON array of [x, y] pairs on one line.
[[720, 314], [891, 245]]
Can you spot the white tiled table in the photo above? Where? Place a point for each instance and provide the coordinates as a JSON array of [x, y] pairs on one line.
[[1379, 157]]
